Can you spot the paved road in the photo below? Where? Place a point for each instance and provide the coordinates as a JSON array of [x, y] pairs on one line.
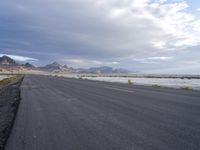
[[71, 114]]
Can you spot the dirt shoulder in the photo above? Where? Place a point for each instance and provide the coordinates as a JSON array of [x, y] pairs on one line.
[[9, 101]]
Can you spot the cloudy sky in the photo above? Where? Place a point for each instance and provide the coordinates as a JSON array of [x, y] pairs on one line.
[[150, 36]]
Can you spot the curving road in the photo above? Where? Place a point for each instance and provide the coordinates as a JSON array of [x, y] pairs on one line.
[[71, 114]]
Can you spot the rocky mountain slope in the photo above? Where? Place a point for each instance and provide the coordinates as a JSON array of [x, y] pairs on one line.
[[7, 64], [7, 61]]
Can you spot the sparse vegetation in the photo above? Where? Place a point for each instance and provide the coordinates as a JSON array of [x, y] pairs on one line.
[[130, 82], [9, 102], [10, 80], [186, 88], [156, 85]]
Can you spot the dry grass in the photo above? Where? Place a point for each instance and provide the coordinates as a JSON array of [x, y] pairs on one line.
[[156, 85], [130, 82], [186, 88], [10, 80]]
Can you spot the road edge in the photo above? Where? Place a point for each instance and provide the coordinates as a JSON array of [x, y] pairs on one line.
[[13, 106]]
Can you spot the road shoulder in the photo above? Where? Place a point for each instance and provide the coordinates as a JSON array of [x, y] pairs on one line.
[[9, 101]]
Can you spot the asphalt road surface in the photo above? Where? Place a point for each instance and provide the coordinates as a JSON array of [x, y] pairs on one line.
[[71, 114]]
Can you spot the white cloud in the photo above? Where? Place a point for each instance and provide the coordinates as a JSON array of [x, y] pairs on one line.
[[117, 12], [88, 63], [20, 58], [153, 59], [196, 26], [159, 44], [135, 26], [162, 1], [163, 58]]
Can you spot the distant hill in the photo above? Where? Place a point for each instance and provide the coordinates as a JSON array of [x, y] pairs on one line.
[[103, 70], [7, 64], [56, 68], [7, 61], [51, 67], [29, 66]]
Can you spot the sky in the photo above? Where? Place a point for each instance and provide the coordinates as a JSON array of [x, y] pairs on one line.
[[147, 36]]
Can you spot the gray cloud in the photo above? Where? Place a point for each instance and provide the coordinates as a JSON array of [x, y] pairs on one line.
[[99, 31]]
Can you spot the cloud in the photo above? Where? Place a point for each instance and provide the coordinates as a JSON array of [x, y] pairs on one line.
[[111, 30], [20, 58], [112, 26], [153, 59], [163, 58], [88, 63]]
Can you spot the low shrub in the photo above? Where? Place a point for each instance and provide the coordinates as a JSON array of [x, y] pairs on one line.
[[7, 81], [186, 88], [156, 85], [130, 82]]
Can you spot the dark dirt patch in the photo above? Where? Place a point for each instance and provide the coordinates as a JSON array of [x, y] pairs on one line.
[[9, 101]]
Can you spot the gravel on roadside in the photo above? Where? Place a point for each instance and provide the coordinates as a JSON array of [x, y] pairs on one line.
[[9, 101]]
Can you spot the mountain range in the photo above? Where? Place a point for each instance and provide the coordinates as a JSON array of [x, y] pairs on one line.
[[8, 64]]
